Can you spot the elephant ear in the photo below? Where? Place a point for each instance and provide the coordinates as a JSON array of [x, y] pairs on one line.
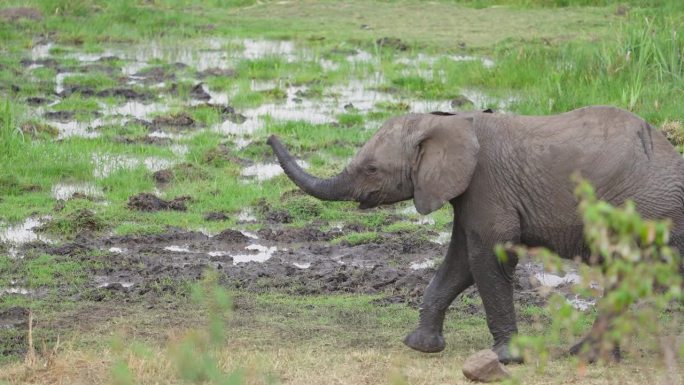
[[444, 161]]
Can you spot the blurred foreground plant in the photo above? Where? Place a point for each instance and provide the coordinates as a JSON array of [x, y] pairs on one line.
[[195, 356], [633, 269]]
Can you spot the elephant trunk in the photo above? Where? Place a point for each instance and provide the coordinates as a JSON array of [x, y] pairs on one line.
[[333, 189]]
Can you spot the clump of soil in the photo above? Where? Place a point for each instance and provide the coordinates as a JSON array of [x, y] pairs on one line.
[[228, 73], [80, 220], [216, 216], [198, 92], [179, 120], [222, 154], [61, 116], [231, 236], [460, 101], [674, 132], [14, 317], [37, 101], [163, 176], [146, 139], [156, 74], [37, 129], [77, 89], [18, 13], [150, 202], [392, 42], [226, 112], [126, 93]]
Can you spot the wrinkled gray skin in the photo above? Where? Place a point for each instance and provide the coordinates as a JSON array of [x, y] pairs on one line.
[[508, 179]]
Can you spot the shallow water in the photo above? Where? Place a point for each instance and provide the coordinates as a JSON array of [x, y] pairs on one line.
[[266, 171], [63, 191], [105, 164], [262, 254]]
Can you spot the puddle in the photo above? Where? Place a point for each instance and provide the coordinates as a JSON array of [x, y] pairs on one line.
[[64, 191], [41, 51], [74, 128], [442, 238], [106, 282], [59, 81], [422, 59], [304, 265], [266, 171], [425, 264], [105, 164], [482, 101], [582, 304], [257, 49], [249, 234], [552, 280], [263, 253], [137, 109], [178, 249], [15, 290], [22, 233], [247, 215]]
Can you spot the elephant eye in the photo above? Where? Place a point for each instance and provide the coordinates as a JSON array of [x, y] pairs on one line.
[[371, 169]]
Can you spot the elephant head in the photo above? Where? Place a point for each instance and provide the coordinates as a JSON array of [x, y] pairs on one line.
[[428, 157]]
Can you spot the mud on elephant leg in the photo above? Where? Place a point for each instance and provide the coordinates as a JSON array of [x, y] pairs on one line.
[[593, 347], [452, 277]]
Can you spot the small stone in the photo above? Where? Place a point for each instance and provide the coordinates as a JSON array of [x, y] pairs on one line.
[[460, 101], [484, 366]]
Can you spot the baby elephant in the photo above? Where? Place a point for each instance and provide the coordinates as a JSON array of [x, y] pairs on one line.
[[508, 179]]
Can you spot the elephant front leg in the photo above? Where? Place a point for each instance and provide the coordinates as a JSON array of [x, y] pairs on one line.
[[452, 277]]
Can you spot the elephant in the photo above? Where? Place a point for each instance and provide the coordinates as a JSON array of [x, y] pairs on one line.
[[508, 179]]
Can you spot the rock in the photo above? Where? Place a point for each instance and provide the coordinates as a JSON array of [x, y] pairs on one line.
[[484, 366]]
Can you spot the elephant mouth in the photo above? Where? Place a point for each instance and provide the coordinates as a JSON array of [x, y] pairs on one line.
[[369, 200]]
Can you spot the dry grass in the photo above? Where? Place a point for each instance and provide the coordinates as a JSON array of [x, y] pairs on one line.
[[304, 363]]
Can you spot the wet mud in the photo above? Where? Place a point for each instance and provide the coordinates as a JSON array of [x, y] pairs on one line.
[[150, 202], [290, 260]]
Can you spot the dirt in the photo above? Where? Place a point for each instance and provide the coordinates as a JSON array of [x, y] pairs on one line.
[[392, 42], [219, 72], [150, 202], [180, 120], [163, 176], [216, 216], [19, 13]]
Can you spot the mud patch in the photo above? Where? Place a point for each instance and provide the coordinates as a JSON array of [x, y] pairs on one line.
[[150, 202], [19, 13], [180, 120], [216, 216]]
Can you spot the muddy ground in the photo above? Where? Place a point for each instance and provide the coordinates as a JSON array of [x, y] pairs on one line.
[[149, 269]]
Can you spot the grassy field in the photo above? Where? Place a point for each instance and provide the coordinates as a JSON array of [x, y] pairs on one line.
[[97, 97]]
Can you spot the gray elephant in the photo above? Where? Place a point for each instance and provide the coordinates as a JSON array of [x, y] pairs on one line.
[[508, 179]]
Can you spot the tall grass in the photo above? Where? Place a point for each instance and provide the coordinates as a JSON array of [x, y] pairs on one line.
[[11, 138]]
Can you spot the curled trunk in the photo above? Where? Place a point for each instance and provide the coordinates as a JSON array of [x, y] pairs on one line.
[[333, 189]]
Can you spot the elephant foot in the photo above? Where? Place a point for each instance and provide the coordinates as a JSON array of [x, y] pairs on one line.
[[505, 356], [424, 341], [591, 351]]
